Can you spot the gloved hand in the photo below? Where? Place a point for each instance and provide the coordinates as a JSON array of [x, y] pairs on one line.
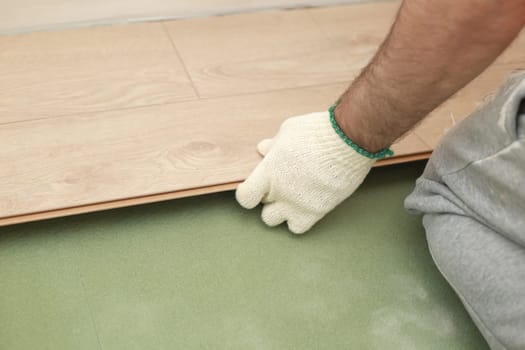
[[307, 170]]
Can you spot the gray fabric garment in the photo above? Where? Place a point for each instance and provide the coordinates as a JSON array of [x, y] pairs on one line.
[[472, 195]]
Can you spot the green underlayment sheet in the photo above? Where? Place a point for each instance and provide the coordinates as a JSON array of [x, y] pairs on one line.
[[202, 273]]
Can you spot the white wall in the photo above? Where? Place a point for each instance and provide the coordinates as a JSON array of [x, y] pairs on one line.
[[28, 15]]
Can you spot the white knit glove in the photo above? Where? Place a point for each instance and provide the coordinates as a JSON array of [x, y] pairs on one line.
[[307, 171]]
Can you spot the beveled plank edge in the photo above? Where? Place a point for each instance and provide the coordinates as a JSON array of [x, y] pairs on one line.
[[402, 159], [159, 197], [119, 203]]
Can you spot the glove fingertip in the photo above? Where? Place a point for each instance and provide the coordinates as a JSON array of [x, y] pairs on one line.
[[246, 197], [273, 214], [300, 227], [264, 146]]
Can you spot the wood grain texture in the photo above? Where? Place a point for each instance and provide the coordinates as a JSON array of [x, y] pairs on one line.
[[106, 117], [77, 71], [73, 161], [357, 29], [258, 52], [159, 197]]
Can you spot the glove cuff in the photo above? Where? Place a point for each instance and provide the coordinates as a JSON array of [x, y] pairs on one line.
[[387, 152]]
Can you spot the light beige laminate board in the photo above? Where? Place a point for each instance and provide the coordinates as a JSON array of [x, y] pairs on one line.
[[158, 197], [80, 160], [409, 144], [77, 160], [257, 52], [77, 71], [358, 29], [126, 202]]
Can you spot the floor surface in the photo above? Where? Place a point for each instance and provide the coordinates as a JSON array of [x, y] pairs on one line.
[[113, 113], [203, 273]]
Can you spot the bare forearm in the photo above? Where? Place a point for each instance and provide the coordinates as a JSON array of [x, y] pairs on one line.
[[433, 50]]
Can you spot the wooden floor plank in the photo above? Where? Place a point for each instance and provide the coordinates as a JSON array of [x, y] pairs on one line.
[[159, 197], [72, 161], [410, 144], [120, 203], [358, 29], [257, 52], [77, 71]]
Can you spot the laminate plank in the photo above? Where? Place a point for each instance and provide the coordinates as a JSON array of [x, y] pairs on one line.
[[80, 160], [94, 69], [159, 197], [70, 161], [126, 202], [359, 29], [403, 159], [258, 52], [409, 144]]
